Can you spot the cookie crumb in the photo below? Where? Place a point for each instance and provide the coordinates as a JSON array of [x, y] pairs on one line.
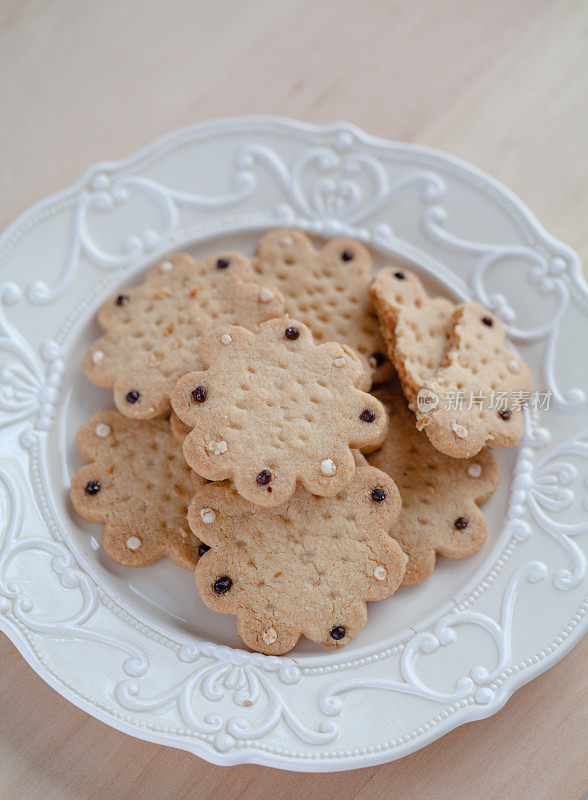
[[269, 636], [217, 448], [266, 295], [459, 430], [97, 356], [102, 430], [226, 338], [133, 543], [380, 573], [328, 467], [339, 361], [166, 266], [475, 470], [207, 515]]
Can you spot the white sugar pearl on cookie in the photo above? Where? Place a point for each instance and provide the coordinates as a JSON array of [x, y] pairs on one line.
[[339, 361], [97, 356], [269, 636], [133, 543], [380, 573], [217, 448], [287, 241], [514, 366], [475, 470], [102, 430], [166, 266], [226, 338], [459, 430], [328, 467], [207, 515], [266, 295]]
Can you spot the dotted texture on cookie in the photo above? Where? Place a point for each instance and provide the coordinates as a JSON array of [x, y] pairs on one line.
[[304, 568], [152, 331], [278, 405], [440, 495], [477, 364], [413, 324], [327, 289], [137, 484]]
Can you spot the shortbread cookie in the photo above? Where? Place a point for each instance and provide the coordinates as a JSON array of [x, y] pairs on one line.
[[414, 326], [440, 495], [305, 568], [477, 390], [152, 331], [138, 485], [272, 407], [327, 290]]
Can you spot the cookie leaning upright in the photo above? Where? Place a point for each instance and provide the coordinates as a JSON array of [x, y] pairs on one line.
[[138, 485], [440, 495], [326, 289], [272, 408], [152, 331], [305, 568], [414, 326], [478, 364]]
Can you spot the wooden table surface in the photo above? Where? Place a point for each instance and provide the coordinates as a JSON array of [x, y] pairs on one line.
[[501, 84]]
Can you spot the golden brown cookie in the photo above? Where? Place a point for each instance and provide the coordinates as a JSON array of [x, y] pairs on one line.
[[138, 485], [413, 324], [440, 495], [272, 408], [477, 387], [327, 290], [152, 331], [304, 568]]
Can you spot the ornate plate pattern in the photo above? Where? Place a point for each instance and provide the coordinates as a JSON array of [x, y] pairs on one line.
[[442, 660]]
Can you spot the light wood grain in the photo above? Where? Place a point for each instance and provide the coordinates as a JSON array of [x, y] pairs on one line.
[[502, 84]]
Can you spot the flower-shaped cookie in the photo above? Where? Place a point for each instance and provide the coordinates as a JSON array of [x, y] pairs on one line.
[[305, 568], [327, 290], [138, 485], [478, 388], [440, 495], [152, 331], [272, 407], [414, 326]]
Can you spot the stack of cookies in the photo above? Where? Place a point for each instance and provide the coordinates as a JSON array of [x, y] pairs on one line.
[[246, 444]]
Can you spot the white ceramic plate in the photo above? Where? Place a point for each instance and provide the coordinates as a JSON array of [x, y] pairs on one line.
[[137, 648]]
